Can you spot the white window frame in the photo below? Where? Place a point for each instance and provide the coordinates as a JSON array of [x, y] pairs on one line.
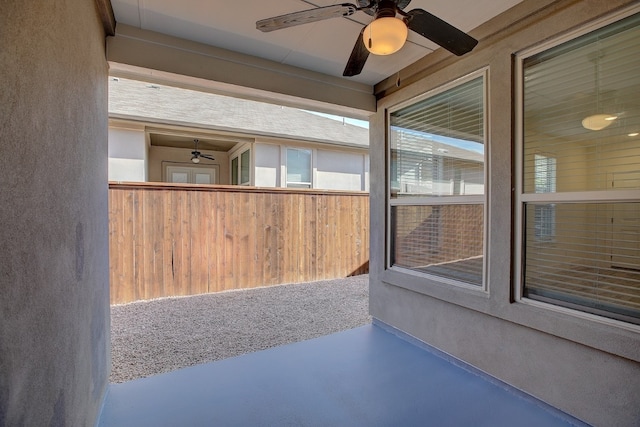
[[520, 198], [438, 201], [238, 155], [311, 167]]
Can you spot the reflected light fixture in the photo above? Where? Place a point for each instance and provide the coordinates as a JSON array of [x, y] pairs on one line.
[[386, 34], [599, 120]]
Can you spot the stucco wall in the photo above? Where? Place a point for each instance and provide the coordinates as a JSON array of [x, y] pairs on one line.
[[54, 294], [127, 155], [587, 367], [267, 169], [340, 171]]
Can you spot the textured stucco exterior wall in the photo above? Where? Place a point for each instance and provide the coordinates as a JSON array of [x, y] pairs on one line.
[[54, 305], [588, 368]]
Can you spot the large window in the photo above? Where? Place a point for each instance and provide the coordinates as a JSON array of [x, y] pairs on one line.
[[579, 204], [437, 183], [299, 168]]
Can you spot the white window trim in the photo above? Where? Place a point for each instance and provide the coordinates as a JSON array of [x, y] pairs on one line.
[[437, 200], [237, 154], [313, 167], [520, 198]]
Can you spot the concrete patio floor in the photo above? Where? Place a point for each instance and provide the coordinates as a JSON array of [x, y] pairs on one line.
[[368, 376]]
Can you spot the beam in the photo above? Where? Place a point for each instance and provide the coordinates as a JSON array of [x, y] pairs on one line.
[[151, 55]]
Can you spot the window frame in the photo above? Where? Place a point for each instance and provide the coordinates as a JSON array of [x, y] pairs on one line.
[[472, 199], [237, 176], [299, 183], [520, 198], [612, 337]]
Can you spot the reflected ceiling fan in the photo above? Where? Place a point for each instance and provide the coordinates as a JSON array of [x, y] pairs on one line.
[[386, 34], [196, 155]]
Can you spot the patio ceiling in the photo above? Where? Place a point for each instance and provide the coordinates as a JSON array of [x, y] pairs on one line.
[[313, 53]]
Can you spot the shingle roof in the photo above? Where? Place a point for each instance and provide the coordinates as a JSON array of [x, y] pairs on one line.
[[166, 104]]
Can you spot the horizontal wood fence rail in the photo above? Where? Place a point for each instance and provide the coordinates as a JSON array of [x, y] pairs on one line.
[[170, 240]]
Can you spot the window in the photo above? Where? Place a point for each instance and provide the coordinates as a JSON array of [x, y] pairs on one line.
[[191, 175], [436, 183], [299, 168], [241, 169], [545, 182], [245, 168], [578, 204], [234, 171]]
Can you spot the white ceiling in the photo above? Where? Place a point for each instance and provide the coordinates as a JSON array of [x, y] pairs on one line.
[[322, 46]]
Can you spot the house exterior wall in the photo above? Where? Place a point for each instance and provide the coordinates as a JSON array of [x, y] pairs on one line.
[[586, 367], [128, 155], [340, 171], [131, 159], [54, 277], [332, 168], [267, 165]]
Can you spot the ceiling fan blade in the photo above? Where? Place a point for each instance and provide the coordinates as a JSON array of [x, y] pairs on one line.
[[440, 32], [205, 156], [358, 57], [402, 4], [306, 16]]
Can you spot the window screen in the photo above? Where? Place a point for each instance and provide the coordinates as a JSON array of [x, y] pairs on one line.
[[436, 170], [581, 173]]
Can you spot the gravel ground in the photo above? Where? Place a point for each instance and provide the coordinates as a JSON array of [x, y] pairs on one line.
[[162, 335]]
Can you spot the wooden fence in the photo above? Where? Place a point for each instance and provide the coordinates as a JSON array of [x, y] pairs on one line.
[[169, 240]]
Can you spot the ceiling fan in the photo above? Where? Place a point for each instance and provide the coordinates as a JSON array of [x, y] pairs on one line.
[[386, 34], [196, 155]]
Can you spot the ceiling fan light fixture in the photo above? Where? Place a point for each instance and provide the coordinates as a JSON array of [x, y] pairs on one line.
[[598, 121], [385, 35], [195, 159]]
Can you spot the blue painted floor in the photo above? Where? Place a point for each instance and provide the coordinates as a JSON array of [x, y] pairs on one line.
[[366, 376]]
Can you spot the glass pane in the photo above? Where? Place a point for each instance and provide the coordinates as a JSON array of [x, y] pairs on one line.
[[445, 241], [437, 145], [245, 167], [581, 109], [180, 177], [234, 171], [203, 178], [591, 261], [298, 166]]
